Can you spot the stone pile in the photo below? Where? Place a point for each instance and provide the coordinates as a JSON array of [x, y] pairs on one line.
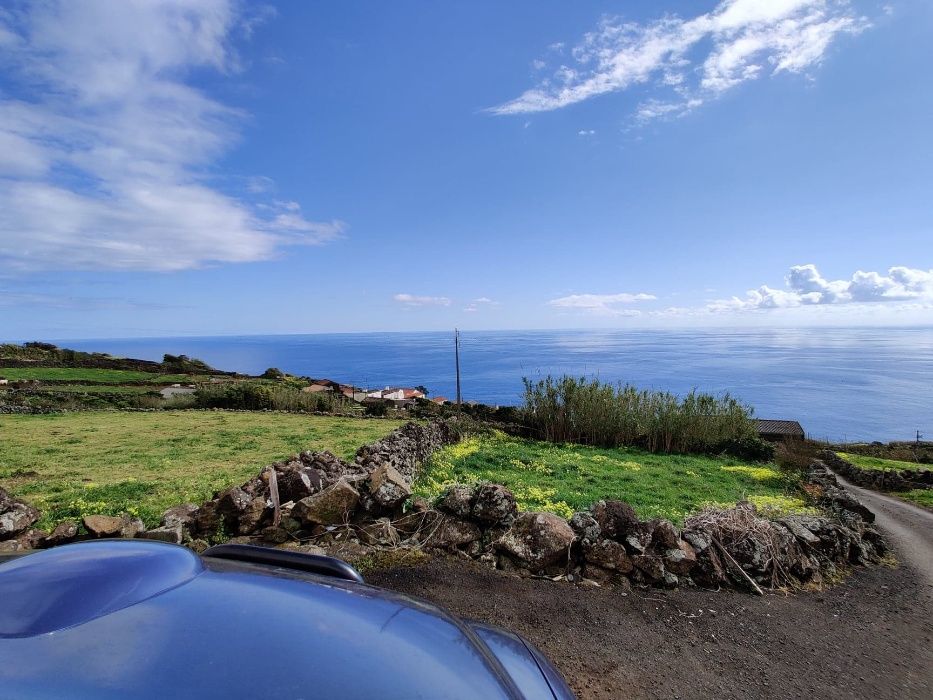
[[316, 492], [316, 497], [891, 480]]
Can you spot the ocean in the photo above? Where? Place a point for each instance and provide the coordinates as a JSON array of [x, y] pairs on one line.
[[842, 384]]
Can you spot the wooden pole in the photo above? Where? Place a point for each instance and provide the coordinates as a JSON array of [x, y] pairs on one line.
[[457, 361]]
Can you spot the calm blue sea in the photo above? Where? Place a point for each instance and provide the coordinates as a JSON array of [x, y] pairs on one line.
[[844, 384]]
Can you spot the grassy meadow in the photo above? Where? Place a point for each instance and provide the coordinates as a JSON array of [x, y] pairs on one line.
[[564, 478], [76, 464], [90, 374], [866, 462]]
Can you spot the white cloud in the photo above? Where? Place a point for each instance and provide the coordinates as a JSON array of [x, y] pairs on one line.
[[477, 304], [805, 286], [586, 132], [601, 304], [694, 59], [413, 300], [106, 151]]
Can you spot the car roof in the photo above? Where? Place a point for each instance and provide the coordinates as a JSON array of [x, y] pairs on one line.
[[149, 619]]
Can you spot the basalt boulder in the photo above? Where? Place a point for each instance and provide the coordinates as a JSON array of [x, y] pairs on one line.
[[537, 540], [446, 532], [297, 480], [252, 515], [585, 526], [64, 532], [332, 506], [15, 515], [494, 504], [103, 525], [681, 559], [608, 554], [664, 535], [388, 487], [457, 500], [182, 515], [172, 534], [616, 518]]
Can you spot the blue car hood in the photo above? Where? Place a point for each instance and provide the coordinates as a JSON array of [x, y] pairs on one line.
[[146, 619]]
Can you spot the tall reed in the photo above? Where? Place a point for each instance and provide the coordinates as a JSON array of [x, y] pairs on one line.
[[571, 409]]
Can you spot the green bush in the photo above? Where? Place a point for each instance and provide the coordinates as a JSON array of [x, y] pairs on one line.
[[256, 396], [570, 409], [376, 408], [748, 447], [182, 364]]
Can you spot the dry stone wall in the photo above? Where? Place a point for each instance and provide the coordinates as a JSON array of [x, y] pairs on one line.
[[317, 499], [893, 480]]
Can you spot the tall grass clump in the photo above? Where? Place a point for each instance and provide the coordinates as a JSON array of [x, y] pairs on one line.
[[571, 409]]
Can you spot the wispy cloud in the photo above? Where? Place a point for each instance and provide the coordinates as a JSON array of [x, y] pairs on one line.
[[805, 286], [692, 60], [602, 304], [106, 149], [413, 300], [479, 303]]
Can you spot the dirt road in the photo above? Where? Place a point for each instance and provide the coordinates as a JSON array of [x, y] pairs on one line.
[[871, 636], [907, 527]]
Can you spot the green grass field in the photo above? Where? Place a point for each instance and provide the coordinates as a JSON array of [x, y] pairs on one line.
[[77, 464], [100, 388], [81, 374], [877, 463], [922, 497], [565, 478]]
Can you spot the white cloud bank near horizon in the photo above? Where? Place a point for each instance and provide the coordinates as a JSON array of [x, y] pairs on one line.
[[691, 60], [106, 154], [805, 286], [900, 289]]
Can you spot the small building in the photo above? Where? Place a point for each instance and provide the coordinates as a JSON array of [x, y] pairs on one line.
[[4, 381], [398, 394], [440, 400], [779, 430]]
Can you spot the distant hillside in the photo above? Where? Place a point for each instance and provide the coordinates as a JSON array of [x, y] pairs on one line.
[[38, 354]]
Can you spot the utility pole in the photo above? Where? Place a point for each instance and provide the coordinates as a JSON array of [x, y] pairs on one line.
[[457, 361]]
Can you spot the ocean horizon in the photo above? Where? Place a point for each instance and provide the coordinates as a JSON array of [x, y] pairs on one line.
[[842, 384]]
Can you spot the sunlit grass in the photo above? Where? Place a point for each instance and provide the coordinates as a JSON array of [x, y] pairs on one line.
[[85, 374], [82, 463], [922, 497], [565, 478], [100, 388], [866, 462]]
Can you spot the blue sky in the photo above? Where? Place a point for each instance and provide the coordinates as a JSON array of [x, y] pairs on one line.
[[172, 168]]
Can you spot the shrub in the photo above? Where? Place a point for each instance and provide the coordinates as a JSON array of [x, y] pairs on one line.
[[569, 409], [748, 447], [255, 396], [273, 373], [376, 408], [182, 364]]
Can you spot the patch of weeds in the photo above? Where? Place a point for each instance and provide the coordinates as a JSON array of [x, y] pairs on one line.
[[565, 478], [382, 559]]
